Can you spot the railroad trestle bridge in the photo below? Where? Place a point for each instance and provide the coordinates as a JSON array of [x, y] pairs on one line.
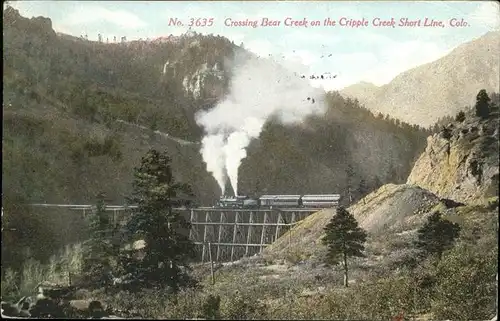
[[222, 234]]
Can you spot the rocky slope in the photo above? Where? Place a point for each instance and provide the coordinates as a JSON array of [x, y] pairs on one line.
[[461, 162], [458, 169], [363, 91], [390, 215], [437, 89]]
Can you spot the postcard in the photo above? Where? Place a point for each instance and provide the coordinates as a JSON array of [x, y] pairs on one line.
[[251, 159]]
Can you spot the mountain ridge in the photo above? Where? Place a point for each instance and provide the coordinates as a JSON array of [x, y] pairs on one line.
[[449, 81]]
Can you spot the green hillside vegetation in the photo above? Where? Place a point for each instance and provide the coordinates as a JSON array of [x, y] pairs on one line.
[[70, 94], [461, 285], [64, 140], [314, 158], [103, 82], [292, 278]]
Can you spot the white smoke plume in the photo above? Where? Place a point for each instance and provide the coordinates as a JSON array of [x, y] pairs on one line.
[[212, 151], [259, 89]]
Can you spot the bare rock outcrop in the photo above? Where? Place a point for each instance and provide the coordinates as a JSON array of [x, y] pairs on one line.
[[40, 26], [461, 162]]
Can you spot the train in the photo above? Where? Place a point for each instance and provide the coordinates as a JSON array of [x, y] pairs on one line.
[[279, 201]]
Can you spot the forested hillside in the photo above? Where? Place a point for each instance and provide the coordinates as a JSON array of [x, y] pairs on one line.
[[78, 115]]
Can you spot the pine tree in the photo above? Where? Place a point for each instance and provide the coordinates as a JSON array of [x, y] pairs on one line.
[[436, 236], [98, 250], [168, 248], [446, 133], [376, 182], [460, 117], [350, 182], [482, 104], [344, 239], [362, 189]]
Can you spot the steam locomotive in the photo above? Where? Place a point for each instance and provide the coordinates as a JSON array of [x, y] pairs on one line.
[[279, 201]]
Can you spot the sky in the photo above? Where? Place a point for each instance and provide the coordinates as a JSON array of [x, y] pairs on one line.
[[366, 53]]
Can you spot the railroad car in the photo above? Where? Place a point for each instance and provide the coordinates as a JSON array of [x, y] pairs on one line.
[[322, 200], [280, 201]]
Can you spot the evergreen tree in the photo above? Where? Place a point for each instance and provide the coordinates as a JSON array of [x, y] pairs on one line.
[[344, 239], [362, 189], [495, 101], [436, 236], [98, 250], [376, 183], [446, 133], [393, 174], [482, 104], [168, 248], [350, 182], [460, 116]]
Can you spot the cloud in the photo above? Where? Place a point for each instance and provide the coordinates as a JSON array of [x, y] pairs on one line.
[[303, 57], [402, 56], [236, 37], [348, 67], [320, 38], [260, 47], [86, 15], [26, 8], [382, 64], [487, 14], [374, 55]]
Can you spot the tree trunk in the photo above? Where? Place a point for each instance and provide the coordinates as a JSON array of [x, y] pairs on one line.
[[346, 280]]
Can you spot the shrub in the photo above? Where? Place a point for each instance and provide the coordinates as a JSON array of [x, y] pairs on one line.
[[466, 285], [293, 256], [211, 307], [460, 117], [239, 307], [32, 274], [188, 303], [57, 270], [9, 287], [383, 299]]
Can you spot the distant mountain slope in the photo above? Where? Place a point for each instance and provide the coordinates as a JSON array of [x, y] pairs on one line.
[[363, 91], [423, 94]]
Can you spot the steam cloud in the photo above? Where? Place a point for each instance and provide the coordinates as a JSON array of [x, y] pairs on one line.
[[259, 89]]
